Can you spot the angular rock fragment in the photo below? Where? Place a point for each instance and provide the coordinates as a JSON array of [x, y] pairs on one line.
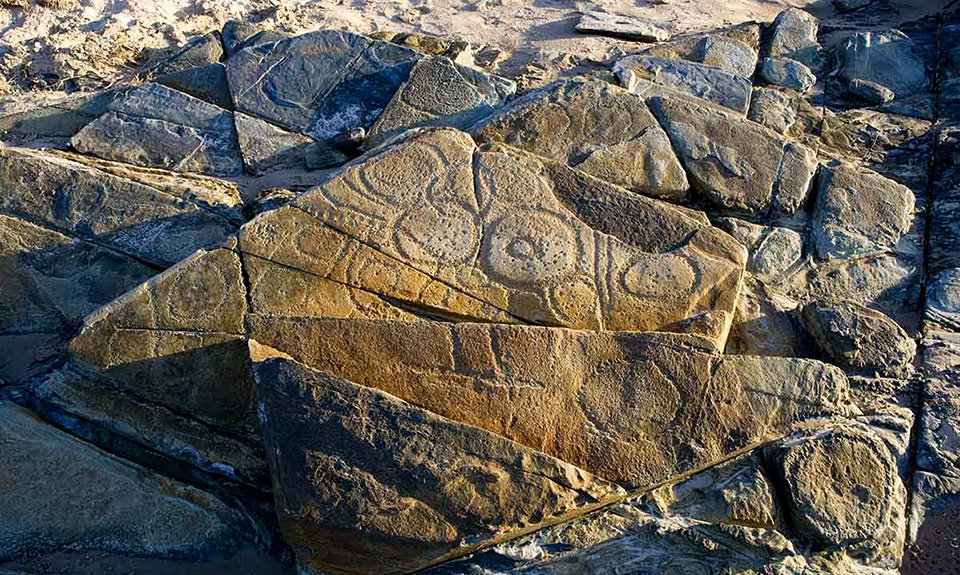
[[622, 406], [773, 250], [266, 148], [773, 108], [710, 84], [206, 49], [787, 73], [88, 203], [594, 127], [322, 83], [794, 36], [870, 92], [59, 491], [736, 164], [522, 238], [885, 58], [160, 127], [729, 54], [367, 483], [237, 35], [851, 5], [207, 82], [859, 213], [440, 92], [843, 490], [621, 27], [860, 338], [942, 305], [56, 122]]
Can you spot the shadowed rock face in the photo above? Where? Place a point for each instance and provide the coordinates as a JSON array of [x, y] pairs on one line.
[[372, 484]]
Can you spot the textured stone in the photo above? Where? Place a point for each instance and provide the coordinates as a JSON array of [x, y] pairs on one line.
[[266, 148], [870, 92], [938, 438], [765, 324], [886, 58], [942, 305], [238, 35], [56, 122], [710, 84], [594, 127], [934, 513], [88, 203], [440, 92], [736, 164], [859, 338], [851, 5], [787, 73], [356, 493], [859, 213], [626, 407], [772, 250], [620, 27], [773, 108], [59, 491], [794, 35], [206, 49], [843, 490], [517, 233], [729, 54], [322, 83], [160, 127], [208, 83]]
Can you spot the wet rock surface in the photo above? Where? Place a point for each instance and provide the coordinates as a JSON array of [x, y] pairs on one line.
[[341, 304]]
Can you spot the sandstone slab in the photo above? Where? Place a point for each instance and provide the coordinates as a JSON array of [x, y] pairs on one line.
[[626, 407], [440, 92], [729, 54], [594, 127], [859, 213], [322, 83], [710, 84], [736, 164], [59, 491], [356, 493], [266, 148], [608, 24]]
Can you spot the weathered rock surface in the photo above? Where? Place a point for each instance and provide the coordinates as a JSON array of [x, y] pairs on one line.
[[886, 58], [207, 82], [608, 24], [625, 407], [943, 299], [859, 338], [859, 213], [737, 164], [59, 491], [787, 73], [730, 54], [139, 126], [88, 203], [773, 108], [704, 82], [349, 460], [594, 127], [870, 92], [772, 250], [794, 35], [321, 84], [440, 92], [266, 148], [55, 123]]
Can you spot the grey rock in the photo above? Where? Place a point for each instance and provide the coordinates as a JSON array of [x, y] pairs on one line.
[[794, 36], [870, 92], [934, 513], [321, 84], [266, 148], [621, 27], [851, 5], [237, 35], [773, 108], [55, 123], [859, 212], [860, 338], [88, 203], [156, 126], [728, 54], [736, 164], [704, 82], [787, 73], [408, 486], [59, 491], [773, 250], [595, 127], [208, 83], [938, 438], [942, 305], [206, 49], [440, 92], [885, 58]]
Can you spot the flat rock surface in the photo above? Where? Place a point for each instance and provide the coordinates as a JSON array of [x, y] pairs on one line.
[[707, 83]]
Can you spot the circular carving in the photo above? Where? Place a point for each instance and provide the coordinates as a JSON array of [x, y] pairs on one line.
[[530, 248], [200, 292], [668, 276], [445, 234]]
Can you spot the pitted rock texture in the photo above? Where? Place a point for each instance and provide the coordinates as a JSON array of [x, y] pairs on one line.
[[666, 326]]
